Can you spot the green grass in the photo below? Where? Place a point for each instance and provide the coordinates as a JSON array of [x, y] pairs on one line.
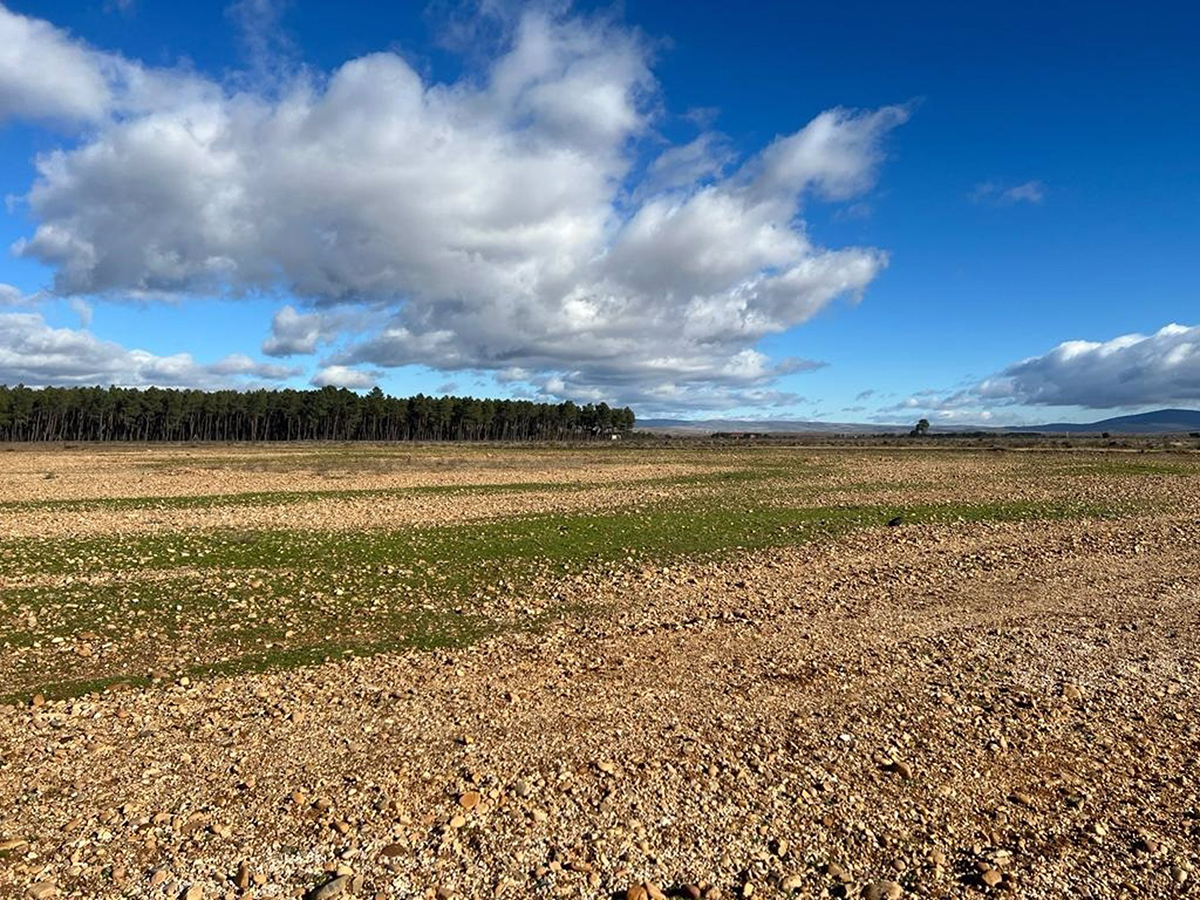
[[221, 602]]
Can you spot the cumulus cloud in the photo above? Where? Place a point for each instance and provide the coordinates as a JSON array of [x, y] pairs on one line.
[[45, 74], [35, 354], [341, 376], [496, 222], [294, 332], [1128, 371], [996, 194]]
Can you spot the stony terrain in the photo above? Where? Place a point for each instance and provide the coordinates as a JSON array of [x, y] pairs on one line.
[[994, 696]]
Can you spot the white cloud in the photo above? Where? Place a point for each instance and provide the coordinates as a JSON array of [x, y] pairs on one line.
[[1128, 371], [45, 74], [341, 376], [10, 295], [84, 310], [500, 220], [293, 332], [995, 194], [36, 354]]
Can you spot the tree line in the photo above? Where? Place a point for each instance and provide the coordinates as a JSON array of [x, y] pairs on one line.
[[328, 414]]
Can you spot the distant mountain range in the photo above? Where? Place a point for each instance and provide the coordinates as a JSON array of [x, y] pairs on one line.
[[1162, 421]]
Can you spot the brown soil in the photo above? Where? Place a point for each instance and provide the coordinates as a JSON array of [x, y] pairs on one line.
[[963, 711]]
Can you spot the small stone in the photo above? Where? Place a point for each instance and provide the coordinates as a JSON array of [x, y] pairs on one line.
[[158, 877], [937, 857], [11, 844], [38, 700], [458, 821], [792, 883], [41, 890], [195, 892], [335, 888], [991, 877], [748, 889], [903, 769], [445, 893], [882, 890], [1178, 874], [837, 873], [1022, 798], [636, 892], [1146, 843], [692, 892], [469, 800], [391, 851], [1072, 692], [654, 892], [242, 880]]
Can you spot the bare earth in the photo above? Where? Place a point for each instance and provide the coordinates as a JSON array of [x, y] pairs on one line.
[[964, 709]]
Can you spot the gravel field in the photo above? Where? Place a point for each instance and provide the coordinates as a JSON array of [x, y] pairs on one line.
[[993, 700]]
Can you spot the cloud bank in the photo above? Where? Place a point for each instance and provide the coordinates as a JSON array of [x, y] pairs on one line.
[[35, 354], [1133, 370], [1130, 372], [524, 217]]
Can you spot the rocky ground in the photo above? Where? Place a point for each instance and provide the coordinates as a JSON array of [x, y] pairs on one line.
[[962, 710]]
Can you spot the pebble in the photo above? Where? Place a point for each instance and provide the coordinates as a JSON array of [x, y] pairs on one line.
[[837, 873], [336, 888], [882, 890], [195, 892], [41, 890], [1022, 798], [469, 800]]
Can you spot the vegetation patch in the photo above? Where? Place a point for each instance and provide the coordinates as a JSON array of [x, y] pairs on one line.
[[93, 611]]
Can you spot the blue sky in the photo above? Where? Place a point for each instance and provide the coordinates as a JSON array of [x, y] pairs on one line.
[[864, 212]]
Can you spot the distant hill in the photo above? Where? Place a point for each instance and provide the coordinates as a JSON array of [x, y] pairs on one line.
[[1162, 421]]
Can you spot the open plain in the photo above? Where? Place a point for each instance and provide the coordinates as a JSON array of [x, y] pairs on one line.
[[596, 671]]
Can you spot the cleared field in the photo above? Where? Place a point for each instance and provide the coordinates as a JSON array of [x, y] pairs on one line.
[[565, 671]]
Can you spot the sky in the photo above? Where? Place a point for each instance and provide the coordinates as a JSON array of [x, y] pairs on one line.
[[976, 213]]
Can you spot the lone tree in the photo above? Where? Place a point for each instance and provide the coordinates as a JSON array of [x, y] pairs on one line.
[[920, 429]]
